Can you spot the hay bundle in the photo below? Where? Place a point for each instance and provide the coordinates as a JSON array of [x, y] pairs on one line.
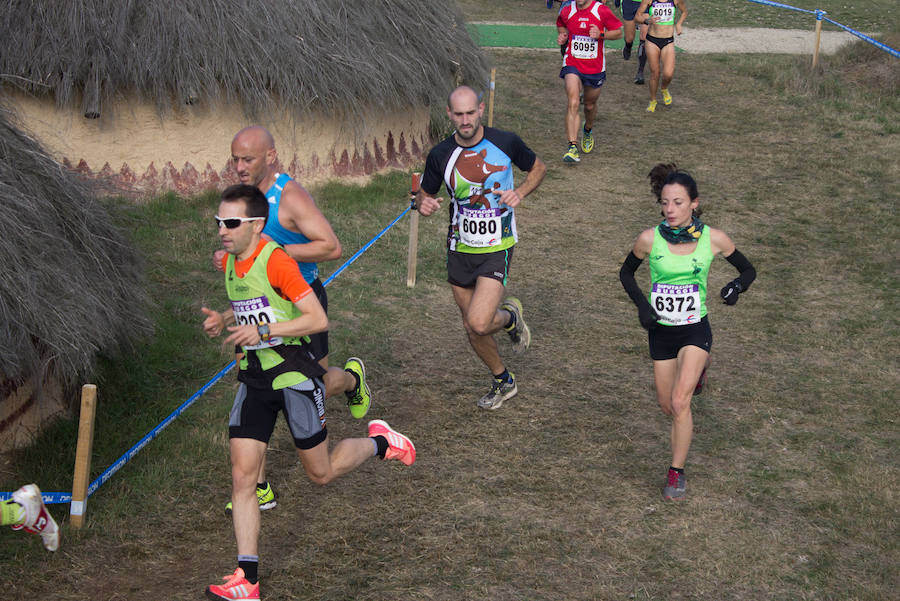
[[344, 58], [71, 287]]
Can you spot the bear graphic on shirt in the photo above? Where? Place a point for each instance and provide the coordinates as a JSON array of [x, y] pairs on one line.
[[470, 173]]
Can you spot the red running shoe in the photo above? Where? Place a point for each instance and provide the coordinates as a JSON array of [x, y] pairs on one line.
[[236, 588], [399, 446]]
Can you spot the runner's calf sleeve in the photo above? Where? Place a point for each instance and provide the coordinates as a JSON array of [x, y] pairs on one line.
[[646, 313]]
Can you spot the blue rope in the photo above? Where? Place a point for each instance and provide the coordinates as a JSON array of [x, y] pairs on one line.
[[820, 16], [51, 498]]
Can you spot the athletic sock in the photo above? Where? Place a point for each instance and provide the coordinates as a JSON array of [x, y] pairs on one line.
[[504, 377], [11, 513], [512, 321], [250, 565], [680, 470], [381, 445], [355, 379], [262, 485]]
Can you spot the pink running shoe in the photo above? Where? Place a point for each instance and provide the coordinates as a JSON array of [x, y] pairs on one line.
[[399, 446], [236, 588], [37, 519]]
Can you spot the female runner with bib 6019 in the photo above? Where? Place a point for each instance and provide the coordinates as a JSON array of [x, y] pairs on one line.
[[680, 249]]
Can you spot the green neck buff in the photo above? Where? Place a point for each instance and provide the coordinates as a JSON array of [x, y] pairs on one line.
[[682, 235]]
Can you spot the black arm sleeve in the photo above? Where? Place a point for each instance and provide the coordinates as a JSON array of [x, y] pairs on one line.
[[744, 267], [626, 276], [646, 314]]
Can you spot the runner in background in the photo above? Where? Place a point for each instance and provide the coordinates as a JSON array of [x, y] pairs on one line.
[[660, 44], [582, 27]]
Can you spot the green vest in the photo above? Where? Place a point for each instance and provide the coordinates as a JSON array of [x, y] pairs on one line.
[[254, 301], [665, 10], [678, 282]]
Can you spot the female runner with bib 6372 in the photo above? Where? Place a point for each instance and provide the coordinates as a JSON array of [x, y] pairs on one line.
[[680, 249]]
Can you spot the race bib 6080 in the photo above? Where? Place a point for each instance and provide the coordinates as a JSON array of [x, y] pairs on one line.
[[480, 227]]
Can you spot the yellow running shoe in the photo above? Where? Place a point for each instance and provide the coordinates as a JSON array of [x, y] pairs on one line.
[[651, 108], [571, 155], [587, 141], [360, 398], [667, 98]]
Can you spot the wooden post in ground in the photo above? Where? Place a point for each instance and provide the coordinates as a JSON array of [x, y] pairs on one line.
[[491, 99], [413, 235], [83, 455], [819, 14]]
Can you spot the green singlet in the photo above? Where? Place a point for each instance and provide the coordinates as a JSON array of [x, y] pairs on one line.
[[678, 282], [665, 11], [254, 301]]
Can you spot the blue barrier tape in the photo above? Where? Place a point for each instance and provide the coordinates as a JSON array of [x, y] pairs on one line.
[[365, 247], [779, 5], [820, 16], [51, 498], [863, 36]]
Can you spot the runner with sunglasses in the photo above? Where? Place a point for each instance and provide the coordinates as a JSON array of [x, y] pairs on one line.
[[681, 249], [273, 311], [300, 227]]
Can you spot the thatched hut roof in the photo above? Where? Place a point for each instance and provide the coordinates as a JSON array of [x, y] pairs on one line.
[[71, 286], [339, 57]]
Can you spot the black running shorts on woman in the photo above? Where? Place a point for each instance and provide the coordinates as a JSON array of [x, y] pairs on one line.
[[666, 341]]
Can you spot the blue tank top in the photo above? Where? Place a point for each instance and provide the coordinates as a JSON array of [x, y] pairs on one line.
[[274, 230]]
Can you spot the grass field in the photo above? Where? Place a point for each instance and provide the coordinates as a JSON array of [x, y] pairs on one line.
[[794, 468]]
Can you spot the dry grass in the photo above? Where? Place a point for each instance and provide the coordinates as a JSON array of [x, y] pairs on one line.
[[793, 472]]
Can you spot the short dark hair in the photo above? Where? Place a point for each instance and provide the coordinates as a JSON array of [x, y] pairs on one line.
[[252, 197]]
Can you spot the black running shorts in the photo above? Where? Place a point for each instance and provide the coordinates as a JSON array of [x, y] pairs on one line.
[[255, 410], [666, 341], [464, 269]]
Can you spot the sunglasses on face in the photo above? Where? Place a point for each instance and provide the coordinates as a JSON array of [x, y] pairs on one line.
[[233, 222]]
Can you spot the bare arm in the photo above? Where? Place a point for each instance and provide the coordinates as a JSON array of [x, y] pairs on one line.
[[298, 212], [311, 321], [682, 7], [427, 204], [643, 244]]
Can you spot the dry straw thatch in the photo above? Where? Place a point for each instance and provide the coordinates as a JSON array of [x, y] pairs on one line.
[[346, 58], [71, 286]]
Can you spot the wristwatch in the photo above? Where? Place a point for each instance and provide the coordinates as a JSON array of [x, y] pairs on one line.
[[263, 331]]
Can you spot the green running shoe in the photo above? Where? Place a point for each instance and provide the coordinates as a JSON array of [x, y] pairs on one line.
[[587, 141], [571, 155], [265, 496], [359, 399]]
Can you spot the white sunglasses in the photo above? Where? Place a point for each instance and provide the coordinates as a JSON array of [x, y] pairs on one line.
[[233, 222]]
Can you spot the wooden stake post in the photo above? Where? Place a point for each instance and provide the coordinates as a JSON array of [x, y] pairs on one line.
[[413, 235], [819, 15], [491, 99], [83, 455]]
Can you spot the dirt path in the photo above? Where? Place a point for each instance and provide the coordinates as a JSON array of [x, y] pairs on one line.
[[751, 39], [738, 40]]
